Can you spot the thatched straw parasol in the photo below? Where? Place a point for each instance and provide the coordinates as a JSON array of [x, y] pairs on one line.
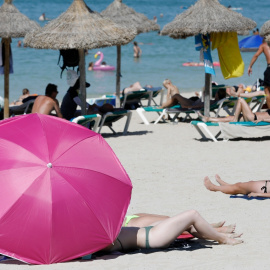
[[13, 25], [265, 29], [124, 15], [79, 28], [205, 17]]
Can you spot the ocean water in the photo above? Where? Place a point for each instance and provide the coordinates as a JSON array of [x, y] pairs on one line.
[[162, 57]]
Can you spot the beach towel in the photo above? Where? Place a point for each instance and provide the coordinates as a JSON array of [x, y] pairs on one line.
[[2, 59], [231, 62]]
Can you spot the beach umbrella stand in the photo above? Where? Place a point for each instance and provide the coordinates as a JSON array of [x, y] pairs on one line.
[[80, 28], [13, 25], [206, 17]]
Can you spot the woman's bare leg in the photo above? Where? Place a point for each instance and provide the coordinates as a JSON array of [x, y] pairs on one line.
[[166, 231], [242, 107], [221, 182], [215, 119], [169, 103], [238, 188]]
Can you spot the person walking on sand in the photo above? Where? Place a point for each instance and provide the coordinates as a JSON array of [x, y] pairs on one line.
[[137, 52], [251, 188], [263, 48], [165, 232], [46, 104]]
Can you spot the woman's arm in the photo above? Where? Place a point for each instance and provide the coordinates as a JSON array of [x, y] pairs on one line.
[[254, 194]]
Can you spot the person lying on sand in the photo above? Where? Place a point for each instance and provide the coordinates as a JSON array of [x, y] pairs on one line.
[[165, 232], [251, 188], [174, 98], [146, 219], [242, 110]]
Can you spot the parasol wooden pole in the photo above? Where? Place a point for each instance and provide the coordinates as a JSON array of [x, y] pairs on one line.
[[207, 92], [7, 42], [82, 80], [118, 76]]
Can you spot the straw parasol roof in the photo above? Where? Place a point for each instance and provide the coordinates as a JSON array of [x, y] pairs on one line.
[[265, 29], [13, 23], [124, 15], [207, 16], [79, 28]]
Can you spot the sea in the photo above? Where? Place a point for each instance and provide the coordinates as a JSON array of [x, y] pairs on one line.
[[162, 57]]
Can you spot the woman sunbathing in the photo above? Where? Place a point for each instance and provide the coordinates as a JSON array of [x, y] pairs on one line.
[[145, 219], [251, 188], [174, 98], [165, 232], [242, 109]]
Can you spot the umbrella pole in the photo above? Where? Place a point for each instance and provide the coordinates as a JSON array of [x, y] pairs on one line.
[[207, 91], [118, 76], [82, 80], [7, 42]]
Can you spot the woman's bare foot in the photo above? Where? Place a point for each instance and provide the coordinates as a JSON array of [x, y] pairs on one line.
[[204, 118], [221, 182], [209, 185], [227, 229], [231, 241]]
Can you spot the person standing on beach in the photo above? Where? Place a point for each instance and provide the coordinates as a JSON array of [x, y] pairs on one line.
[[46, 104], [137, 50], [264, 48]]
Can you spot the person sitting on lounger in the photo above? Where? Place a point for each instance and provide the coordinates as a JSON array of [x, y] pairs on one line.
[[46, 104], [251, 188], [242, 110], [187, 103], [165, 232]]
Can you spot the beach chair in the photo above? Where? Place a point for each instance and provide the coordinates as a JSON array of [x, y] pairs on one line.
[[109, 118], [232, 130], [22, 109], [131, 98], [90, 121], [175, 112], [142, 110], [96, 122], [152, 93]]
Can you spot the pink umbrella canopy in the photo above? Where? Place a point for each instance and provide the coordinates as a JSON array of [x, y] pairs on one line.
[[64, 193]]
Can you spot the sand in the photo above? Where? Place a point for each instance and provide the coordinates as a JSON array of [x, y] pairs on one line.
[[167, 164]]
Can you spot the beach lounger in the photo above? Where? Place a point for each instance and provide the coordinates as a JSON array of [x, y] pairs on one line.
[[232, 130], [142, 110], [90, 121], [152, 93], [214, 108], [96, 122], [147, 93], [22, 109]]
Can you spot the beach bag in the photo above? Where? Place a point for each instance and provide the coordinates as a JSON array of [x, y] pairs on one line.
[[70, 58]]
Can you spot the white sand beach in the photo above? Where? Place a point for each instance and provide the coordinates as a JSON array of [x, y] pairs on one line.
[[167, 164]]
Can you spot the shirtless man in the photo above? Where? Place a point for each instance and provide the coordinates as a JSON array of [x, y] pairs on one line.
[[264, 48], [46, 104], [137, 50]]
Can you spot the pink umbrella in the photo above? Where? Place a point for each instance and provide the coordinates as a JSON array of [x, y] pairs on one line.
[[64, 194]]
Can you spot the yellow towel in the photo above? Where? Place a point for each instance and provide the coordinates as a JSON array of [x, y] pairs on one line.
[[231, 62]]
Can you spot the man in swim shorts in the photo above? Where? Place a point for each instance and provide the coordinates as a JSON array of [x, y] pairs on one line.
[[264, 48]]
